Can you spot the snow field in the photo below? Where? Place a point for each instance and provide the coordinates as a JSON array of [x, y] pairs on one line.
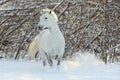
[[82, 67]]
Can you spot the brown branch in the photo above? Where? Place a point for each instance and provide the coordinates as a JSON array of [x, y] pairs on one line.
[[58, 5], [20, 46], [94, 38], [9, 26], [2, 33], [18, 26], [5, 2], [4, 21], [3, 39], [113, 48], [91, 2], [64, 10], [92, 18]]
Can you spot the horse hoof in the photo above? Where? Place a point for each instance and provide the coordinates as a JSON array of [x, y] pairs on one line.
[[44, 63]]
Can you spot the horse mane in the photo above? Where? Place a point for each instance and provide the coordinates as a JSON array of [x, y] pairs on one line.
[[52, 13]]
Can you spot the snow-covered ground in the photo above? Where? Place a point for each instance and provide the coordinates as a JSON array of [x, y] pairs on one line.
[[82, 67]]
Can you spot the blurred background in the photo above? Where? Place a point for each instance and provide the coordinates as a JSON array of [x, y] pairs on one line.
[[87, 25]]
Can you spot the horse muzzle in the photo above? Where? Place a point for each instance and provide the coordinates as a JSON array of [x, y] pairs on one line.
[[42, 27]]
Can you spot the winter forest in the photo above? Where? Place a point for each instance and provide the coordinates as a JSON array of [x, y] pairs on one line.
[[90, 28]]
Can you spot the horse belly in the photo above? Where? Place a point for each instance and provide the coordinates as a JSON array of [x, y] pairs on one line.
[[56, 45]]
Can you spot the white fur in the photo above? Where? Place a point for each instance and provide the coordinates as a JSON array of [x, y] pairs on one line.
[[51, 40], [33, 47], [52, 13]]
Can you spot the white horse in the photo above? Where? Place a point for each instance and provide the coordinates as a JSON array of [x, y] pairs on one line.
[[33, 47], [51, 41]]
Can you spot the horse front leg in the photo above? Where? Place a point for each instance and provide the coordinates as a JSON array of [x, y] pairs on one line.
[[59, 59], [49, 59]]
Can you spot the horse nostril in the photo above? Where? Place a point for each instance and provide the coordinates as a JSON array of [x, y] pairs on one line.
[[40, 27]]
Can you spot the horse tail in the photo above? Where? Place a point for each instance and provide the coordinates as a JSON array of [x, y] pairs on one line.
[[33, 47]]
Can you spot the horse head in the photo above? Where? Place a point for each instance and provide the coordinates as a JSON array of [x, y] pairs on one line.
[[47, 19]]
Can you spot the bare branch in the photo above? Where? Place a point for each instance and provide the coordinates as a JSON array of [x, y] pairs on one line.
[[4, 20], [91, 2], [58, 5], [94, 38], [64, 10], [21, 44], [113, 48], [4, 2]]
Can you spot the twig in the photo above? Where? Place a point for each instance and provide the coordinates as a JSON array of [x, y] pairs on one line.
[[18, 50], [58, 5], [4, 21], [94, 38], [9, 27], [22, 22], [113, 48], [18, 26], [91, 2], [88, 23], [2, 33], [4, 2], [64, 10]]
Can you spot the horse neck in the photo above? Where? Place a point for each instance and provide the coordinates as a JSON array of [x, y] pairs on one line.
[[55, 29]]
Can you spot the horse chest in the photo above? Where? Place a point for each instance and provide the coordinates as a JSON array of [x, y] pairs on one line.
[[51, 42]]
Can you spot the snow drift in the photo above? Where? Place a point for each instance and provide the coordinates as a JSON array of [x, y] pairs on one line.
[[83, 66]]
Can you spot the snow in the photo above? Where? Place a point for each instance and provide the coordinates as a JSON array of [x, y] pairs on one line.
[[82, 67]]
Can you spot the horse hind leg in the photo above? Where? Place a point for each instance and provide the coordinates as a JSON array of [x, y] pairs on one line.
[[59, 59], [44, 63], [58, 63], [50, 61]]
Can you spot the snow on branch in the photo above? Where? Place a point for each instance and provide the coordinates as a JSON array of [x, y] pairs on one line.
[[58, 5], [64, 10], [118, 45], [5, 2]]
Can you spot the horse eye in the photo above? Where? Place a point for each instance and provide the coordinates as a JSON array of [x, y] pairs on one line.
[[45, 17]]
